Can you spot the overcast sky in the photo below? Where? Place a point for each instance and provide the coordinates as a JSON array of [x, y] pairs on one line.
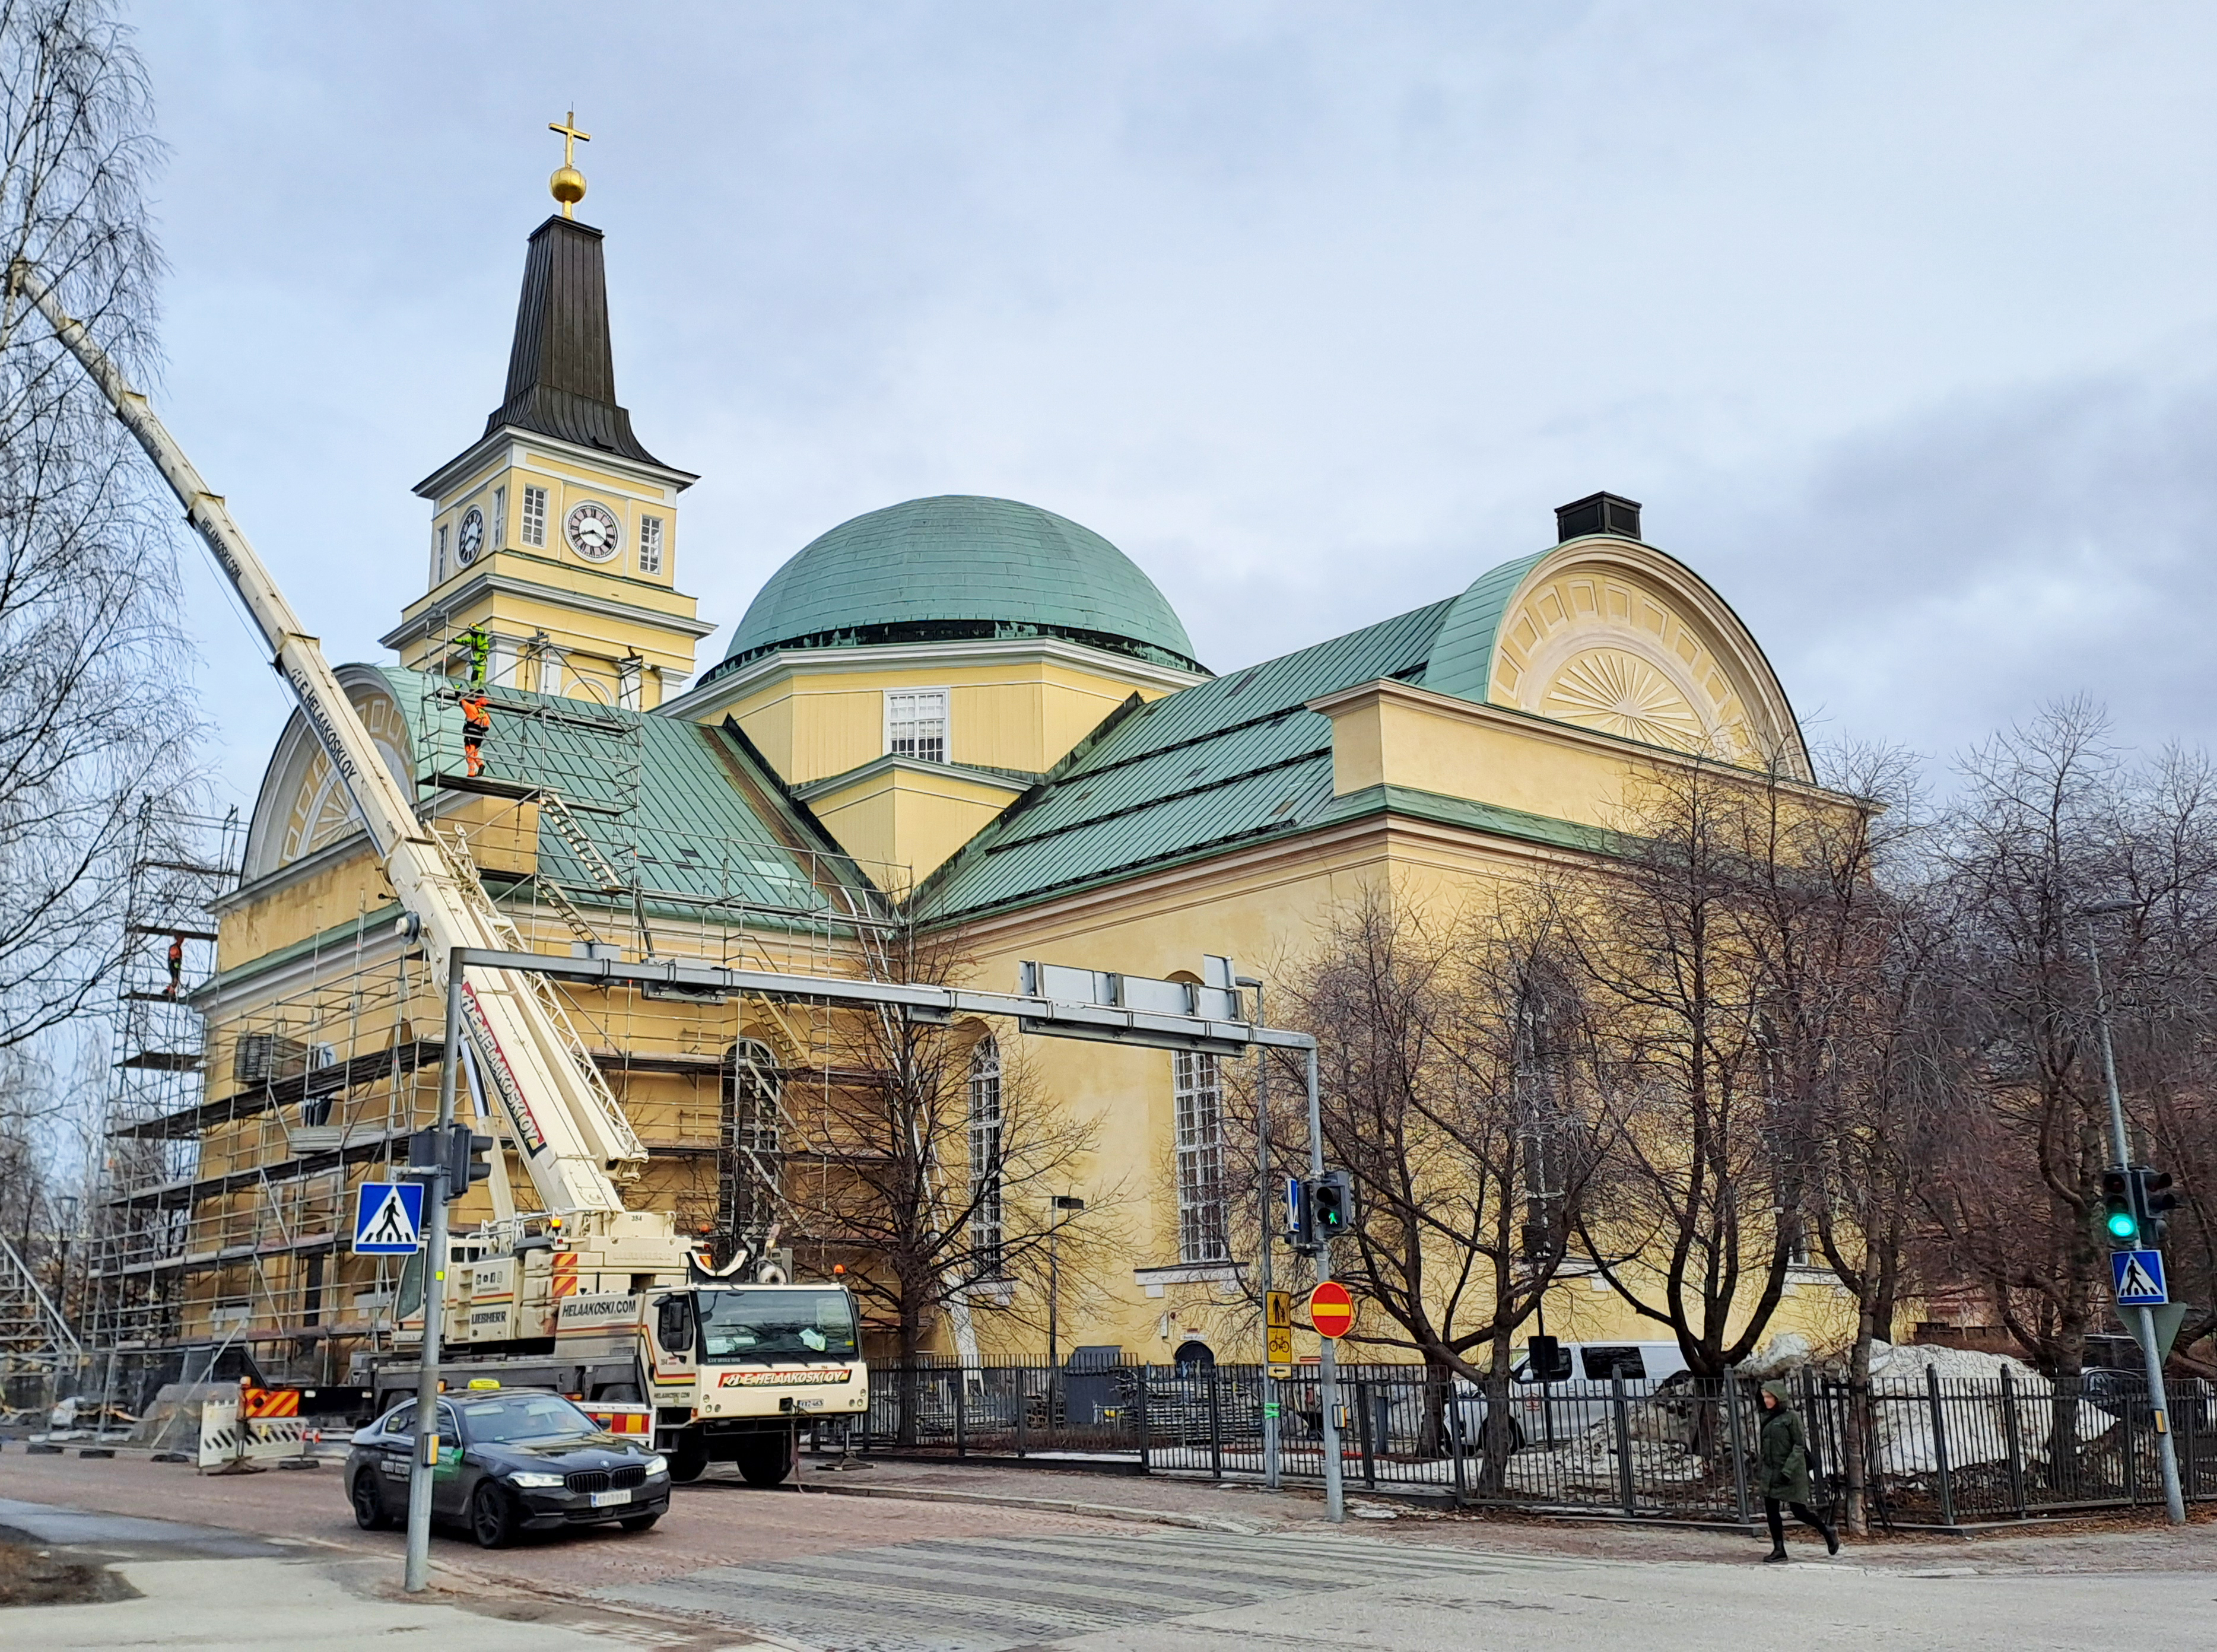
[[1899, 317]]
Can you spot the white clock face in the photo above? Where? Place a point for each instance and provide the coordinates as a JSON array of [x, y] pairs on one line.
[[592, 532], [469, 538]]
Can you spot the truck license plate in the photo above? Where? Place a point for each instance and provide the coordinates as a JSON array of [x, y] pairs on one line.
[[605, 1499]]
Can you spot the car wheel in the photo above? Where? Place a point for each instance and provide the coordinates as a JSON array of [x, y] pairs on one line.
[[640, 1522], [1515, 1436], [687, 1462], [493, 1516], [368, 1502]]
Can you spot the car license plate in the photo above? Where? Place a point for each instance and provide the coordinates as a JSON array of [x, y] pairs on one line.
[[604, 1499]]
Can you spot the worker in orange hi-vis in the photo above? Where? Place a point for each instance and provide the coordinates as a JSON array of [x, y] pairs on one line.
[[177, 963], [476, 724]]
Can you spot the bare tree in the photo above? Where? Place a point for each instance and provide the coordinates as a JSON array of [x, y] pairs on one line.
[[91, 666], [929, 1156], [1456, 1077]]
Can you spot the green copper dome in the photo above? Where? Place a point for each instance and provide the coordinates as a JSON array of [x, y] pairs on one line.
[[959, 568]]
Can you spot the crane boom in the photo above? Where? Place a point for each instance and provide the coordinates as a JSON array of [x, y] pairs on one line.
[[567, 1127]]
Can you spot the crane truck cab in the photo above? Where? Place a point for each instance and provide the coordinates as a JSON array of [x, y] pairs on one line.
[[731, 1368]]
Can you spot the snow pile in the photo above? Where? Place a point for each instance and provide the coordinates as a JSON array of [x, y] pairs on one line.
[[1974, 1410]]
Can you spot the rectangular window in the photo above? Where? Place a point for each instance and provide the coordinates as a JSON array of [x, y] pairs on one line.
[[535, 516], [1199, 1124], [439, 563], [650, 545], [915, 724], [499, 518], [985, 1149], [1603, 1363]]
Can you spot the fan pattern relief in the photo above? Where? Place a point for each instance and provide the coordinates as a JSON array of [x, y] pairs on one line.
[[1621, 693]]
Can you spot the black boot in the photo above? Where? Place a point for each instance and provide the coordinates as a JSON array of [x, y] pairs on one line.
[[1832, 1540], [1775, 1556]]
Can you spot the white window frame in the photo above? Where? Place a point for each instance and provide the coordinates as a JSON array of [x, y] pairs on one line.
[[911, 700], [535, 507], [500, 520], [650, 545], [439, 561], [988, 1144], [1197, 1087]]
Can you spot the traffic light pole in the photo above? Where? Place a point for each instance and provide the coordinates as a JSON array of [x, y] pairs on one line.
[[1335, 1500], [1268, 1239], [417, 1575], [2174, 1499]]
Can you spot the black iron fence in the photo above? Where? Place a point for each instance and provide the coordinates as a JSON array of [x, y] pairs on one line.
[[1933, 1451]]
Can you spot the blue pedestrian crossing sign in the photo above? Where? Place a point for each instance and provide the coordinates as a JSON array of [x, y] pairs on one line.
[[2138, 1277], [388, 1218]]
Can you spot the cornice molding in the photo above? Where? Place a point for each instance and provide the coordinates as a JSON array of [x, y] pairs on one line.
[[488, 583], [710, 698], [481, 452]]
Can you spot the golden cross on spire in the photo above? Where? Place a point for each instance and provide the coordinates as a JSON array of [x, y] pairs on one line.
[[568, 184]]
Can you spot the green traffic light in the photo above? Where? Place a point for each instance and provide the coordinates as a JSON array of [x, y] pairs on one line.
[[2122, 1225]]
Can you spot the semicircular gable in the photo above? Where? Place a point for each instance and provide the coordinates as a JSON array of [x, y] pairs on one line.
[[302, 807], [1613, 635]]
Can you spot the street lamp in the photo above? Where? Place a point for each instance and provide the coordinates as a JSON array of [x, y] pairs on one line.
[[1063, 1205], [2121, 1145], [65, 1207]]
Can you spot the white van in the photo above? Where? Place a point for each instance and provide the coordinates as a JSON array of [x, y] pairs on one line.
[[1576, 1394]]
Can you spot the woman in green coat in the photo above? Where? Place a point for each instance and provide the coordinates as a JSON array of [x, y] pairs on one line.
[[1783, 1471]]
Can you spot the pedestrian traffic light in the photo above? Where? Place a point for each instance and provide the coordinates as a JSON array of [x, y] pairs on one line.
[[2154, 1202], [1331, 1206], [2120, 1222]]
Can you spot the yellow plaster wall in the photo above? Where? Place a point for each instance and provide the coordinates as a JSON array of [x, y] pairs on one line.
[[913, 818], [313, 903], [1266, 911], [1022, 714]]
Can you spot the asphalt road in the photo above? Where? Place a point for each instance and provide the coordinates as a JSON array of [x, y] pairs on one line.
[[271, 1561]]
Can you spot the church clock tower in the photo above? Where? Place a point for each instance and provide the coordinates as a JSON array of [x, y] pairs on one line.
[[554, 536]]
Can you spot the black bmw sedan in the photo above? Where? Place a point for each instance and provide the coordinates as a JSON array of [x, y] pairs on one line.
[[511, 1460]]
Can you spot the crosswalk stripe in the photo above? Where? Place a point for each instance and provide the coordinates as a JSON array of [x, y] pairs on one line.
[[998, 1580], [985, 1594]]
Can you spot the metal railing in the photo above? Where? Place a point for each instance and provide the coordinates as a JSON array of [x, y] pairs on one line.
[[1935, 1452]]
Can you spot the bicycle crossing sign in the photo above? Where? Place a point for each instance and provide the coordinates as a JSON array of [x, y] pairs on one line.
[[388, 1218], [2138, 1277]]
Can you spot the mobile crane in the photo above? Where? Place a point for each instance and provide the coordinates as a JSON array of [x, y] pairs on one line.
[[605, 1303]]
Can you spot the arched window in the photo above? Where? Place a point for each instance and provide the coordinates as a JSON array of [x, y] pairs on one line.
[[747, 1169], [1199, 1095], [986, 1148]]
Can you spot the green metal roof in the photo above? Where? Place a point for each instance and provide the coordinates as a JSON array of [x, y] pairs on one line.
[[709, 820], [960, 566], [1225, 762], [1462, 657]]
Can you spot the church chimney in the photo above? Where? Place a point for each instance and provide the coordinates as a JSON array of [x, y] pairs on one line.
[[561, 372], [1597, 512]]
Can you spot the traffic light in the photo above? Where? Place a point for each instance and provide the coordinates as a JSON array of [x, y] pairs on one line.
[[467, 1164], [2121, 1223], [455, 1150], [2154, 1202], [1331, 1206], [1297, 1213]]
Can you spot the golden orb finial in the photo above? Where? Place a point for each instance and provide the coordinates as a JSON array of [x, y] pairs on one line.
[[568, 184]]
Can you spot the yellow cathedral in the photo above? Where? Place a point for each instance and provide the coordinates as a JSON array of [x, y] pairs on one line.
[[964, 720]]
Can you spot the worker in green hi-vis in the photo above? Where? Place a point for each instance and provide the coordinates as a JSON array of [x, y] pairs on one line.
[[480, 644]]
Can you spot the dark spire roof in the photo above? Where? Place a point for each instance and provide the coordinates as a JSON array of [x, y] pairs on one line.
[[561, 374]]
